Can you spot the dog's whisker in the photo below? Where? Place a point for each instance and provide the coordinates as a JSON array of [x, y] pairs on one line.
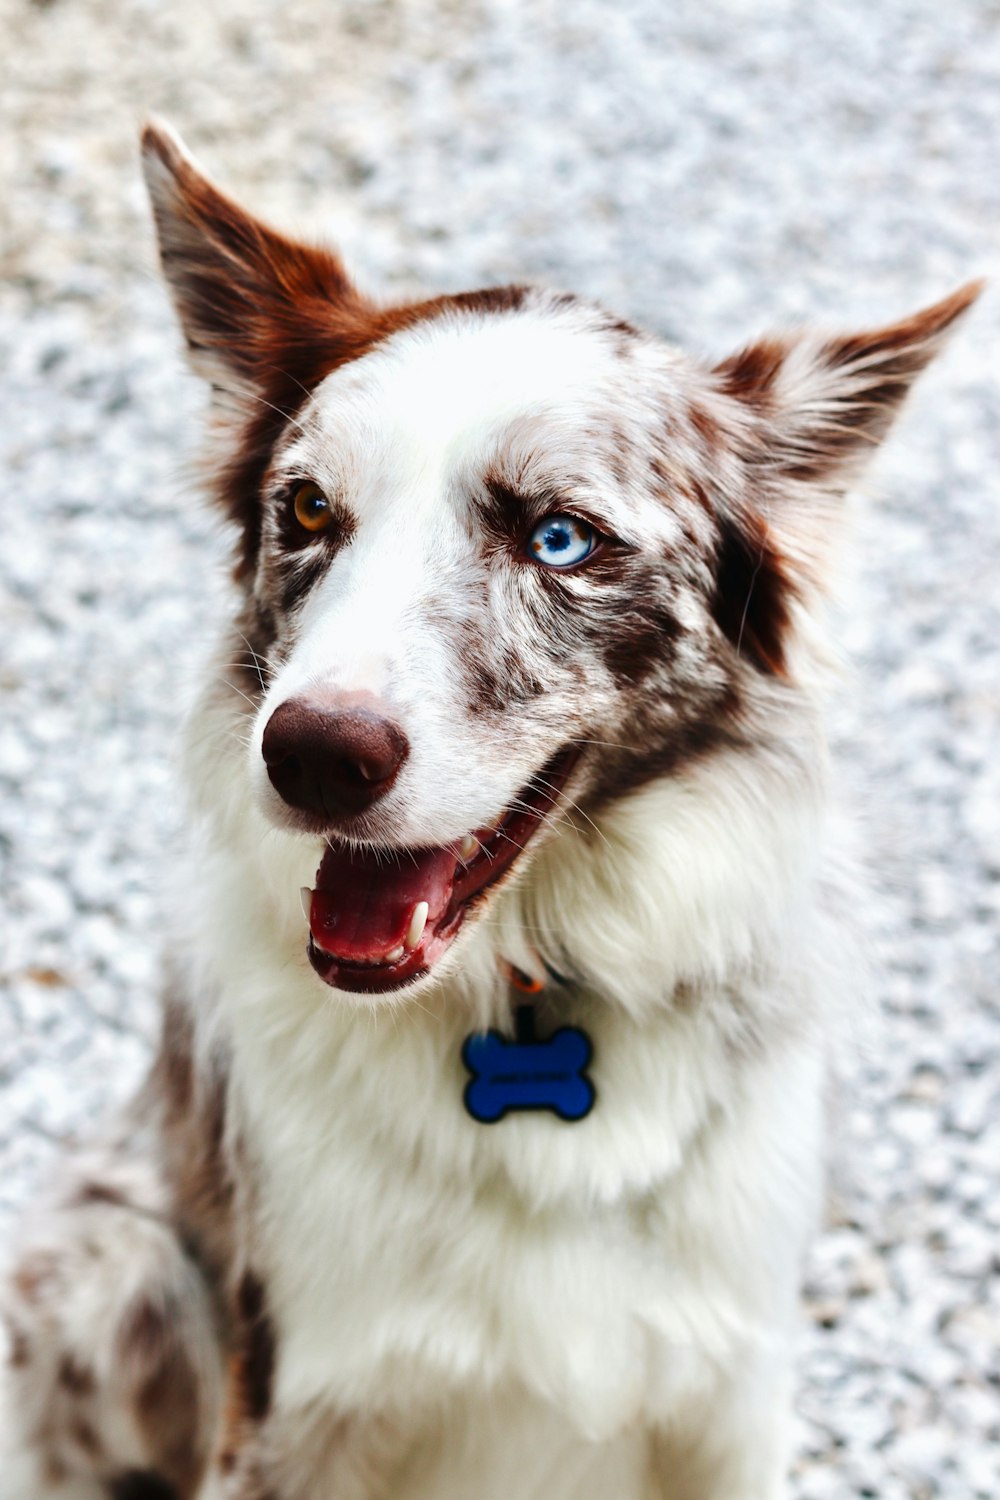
[[286, 416], [576, 808], [572, 803], [605, 744], [245, 696], [245, 665], [290, 375], [257, 659]]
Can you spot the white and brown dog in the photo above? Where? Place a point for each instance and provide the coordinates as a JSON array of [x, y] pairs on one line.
[[519, 695]]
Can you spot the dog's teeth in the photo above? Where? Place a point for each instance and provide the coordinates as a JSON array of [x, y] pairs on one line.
[[468, 847], [306, 896], [395, 954], [418, 922]]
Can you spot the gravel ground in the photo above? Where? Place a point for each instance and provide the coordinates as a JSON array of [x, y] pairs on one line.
[[710, 169]]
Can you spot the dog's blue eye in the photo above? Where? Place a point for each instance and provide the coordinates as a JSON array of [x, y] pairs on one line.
[[561, 541]]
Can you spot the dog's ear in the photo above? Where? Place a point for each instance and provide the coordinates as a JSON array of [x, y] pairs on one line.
[[814, 409], [258, 309], [824, 403]]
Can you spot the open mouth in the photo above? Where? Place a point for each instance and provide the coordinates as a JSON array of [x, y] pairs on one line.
[[381, 918]]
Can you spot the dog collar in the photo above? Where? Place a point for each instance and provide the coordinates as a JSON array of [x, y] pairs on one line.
[[526, 1072]]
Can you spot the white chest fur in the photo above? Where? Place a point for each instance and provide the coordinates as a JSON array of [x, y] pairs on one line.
[[586, 1279], [603, 1268]]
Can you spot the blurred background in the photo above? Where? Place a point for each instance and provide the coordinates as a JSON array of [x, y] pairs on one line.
[[707, 167]]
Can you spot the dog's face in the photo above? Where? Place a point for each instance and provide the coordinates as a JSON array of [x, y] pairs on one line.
[[476, 593], [504, 557]]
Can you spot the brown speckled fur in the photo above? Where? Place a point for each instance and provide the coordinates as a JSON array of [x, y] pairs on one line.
[[142, 1350]]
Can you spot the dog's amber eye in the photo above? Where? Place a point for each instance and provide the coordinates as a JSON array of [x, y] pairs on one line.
[[311, 507]]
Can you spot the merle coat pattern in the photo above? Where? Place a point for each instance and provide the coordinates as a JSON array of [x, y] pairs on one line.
[[295, 1268]]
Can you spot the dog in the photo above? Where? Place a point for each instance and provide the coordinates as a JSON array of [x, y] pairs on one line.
[[485, 1134]]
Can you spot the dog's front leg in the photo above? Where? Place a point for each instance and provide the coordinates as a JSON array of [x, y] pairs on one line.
[[737, 1446], [114, 1341]]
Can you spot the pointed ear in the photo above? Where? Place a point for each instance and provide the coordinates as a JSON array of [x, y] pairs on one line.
[[825, 403], [814, 410], [252, 303]]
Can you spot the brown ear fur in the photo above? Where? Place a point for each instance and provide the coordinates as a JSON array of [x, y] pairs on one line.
[[250, 300], [817, 409], [266, 317], [825, 403]]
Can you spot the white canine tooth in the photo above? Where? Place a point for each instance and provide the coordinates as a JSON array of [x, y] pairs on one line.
[[418, 922], [395, 954], [468, 847], [306, 897]]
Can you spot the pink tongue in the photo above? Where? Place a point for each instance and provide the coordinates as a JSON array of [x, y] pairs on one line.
[[362, 904]]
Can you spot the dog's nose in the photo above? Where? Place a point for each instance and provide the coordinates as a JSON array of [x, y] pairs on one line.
[[331, 761]]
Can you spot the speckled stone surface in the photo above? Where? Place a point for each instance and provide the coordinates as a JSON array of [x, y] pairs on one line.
[[709, 169]]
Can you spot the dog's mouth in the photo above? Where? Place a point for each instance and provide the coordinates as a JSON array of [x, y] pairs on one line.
[[380, 919]]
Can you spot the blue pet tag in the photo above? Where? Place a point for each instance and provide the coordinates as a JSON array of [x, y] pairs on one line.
[[525, 1073]]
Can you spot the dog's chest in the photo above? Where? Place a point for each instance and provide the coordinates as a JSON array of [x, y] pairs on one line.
[[407, 1247], [433, 1292], [511, 1444]]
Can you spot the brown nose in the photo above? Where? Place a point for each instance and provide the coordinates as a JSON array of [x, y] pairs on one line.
[[331, 762]]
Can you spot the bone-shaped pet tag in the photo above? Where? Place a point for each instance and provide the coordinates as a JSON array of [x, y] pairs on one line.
[[524, 1073]]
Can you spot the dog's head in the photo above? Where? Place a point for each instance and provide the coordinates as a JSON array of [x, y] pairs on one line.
[[505, 558]]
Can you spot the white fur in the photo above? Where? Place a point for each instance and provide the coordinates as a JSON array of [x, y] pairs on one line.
[[530, 1310], [541, 1309], [634, 1270], [405, 434]]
